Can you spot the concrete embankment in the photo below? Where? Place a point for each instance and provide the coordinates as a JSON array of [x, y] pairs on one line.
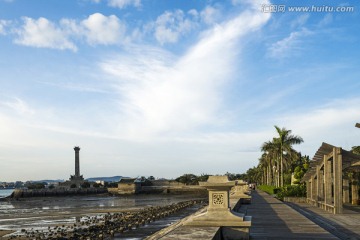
[[196, 190], [26, 193]]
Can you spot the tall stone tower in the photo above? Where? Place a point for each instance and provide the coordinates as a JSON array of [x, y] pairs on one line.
[[77, 176], [77, 161]]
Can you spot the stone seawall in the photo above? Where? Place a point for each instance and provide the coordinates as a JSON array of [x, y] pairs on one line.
[[26, 193]]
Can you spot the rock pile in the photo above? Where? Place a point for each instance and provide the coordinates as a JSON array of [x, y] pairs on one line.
[[107, 225]]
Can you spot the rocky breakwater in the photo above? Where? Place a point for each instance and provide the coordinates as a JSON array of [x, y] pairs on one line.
[[105, 226], [26, 193]]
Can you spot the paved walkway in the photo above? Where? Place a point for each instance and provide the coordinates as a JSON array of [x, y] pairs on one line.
[[273, 219]]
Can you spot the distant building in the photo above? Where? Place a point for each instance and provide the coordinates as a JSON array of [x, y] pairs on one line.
[[129, 186]]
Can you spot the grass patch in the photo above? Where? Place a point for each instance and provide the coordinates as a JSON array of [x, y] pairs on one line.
[[268, 189]]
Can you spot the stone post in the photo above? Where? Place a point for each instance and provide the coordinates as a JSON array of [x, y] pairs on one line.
[[327, 182], [346, 192], [219, 213], [318, 182], [308, 191], [313, 191], [321, 186], [355, 192], [338, 183]]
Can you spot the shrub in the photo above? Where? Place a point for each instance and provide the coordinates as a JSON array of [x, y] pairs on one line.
[[85, 185], [267, 188], [36, 186], [291, 191], [277, 190]]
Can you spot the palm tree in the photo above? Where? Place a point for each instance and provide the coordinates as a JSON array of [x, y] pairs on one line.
[[271, 156], [263, 165], [284, 143]]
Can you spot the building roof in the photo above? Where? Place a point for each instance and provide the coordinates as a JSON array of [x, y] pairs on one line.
[[350, 160]]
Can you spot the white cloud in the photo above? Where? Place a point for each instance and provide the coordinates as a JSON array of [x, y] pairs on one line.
[[289, 45], [300, 20], [209, 15], [43, 34], [18, 105], [171, 25], [100, 29], [161, 93], [332, 122], [96, 29], [124, 3], [3, 25], [328, 18]]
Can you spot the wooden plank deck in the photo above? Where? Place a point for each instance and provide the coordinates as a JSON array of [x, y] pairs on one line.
[[273, 219], [345, 225]]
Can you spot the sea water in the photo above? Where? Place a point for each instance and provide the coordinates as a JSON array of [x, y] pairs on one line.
[[5, 192]]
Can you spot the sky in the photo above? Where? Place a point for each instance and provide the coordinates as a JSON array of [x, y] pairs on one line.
[[167, 87]]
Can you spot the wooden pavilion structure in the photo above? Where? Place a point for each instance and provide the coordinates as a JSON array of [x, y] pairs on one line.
[[333, 171]]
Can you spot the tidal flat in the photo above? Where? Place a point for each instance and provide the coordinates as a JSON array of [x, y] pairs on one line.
[[44, 213]]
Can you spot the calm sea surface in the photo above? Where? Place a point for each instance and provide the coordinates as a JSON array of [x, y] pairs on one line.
[[5, 192]]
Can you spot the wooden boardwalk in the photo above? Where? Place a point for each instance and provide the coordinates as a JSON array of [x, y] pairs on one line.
[[273, 219], [345, 225]]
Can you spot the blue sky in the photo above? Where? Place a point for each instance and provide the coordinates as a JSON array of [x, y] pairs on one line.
[[164, 88]]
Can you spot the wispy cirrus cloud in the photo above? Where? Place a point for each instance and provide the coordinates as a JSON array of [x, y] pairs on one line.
[[3, 25], [289, 45], [121, 4], [300, 20], [17, 105], [124, 3]]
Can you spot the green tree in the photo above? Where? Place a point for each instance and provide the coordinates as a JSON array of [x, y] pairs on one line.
[[187, 179], [279, 155], [355, 150], [270, 159], [254, 175], [284, 143], [203, 177]]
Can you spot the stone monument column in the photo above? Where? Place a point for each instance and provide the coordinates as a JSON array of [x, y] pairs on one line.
[[77, 162]]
